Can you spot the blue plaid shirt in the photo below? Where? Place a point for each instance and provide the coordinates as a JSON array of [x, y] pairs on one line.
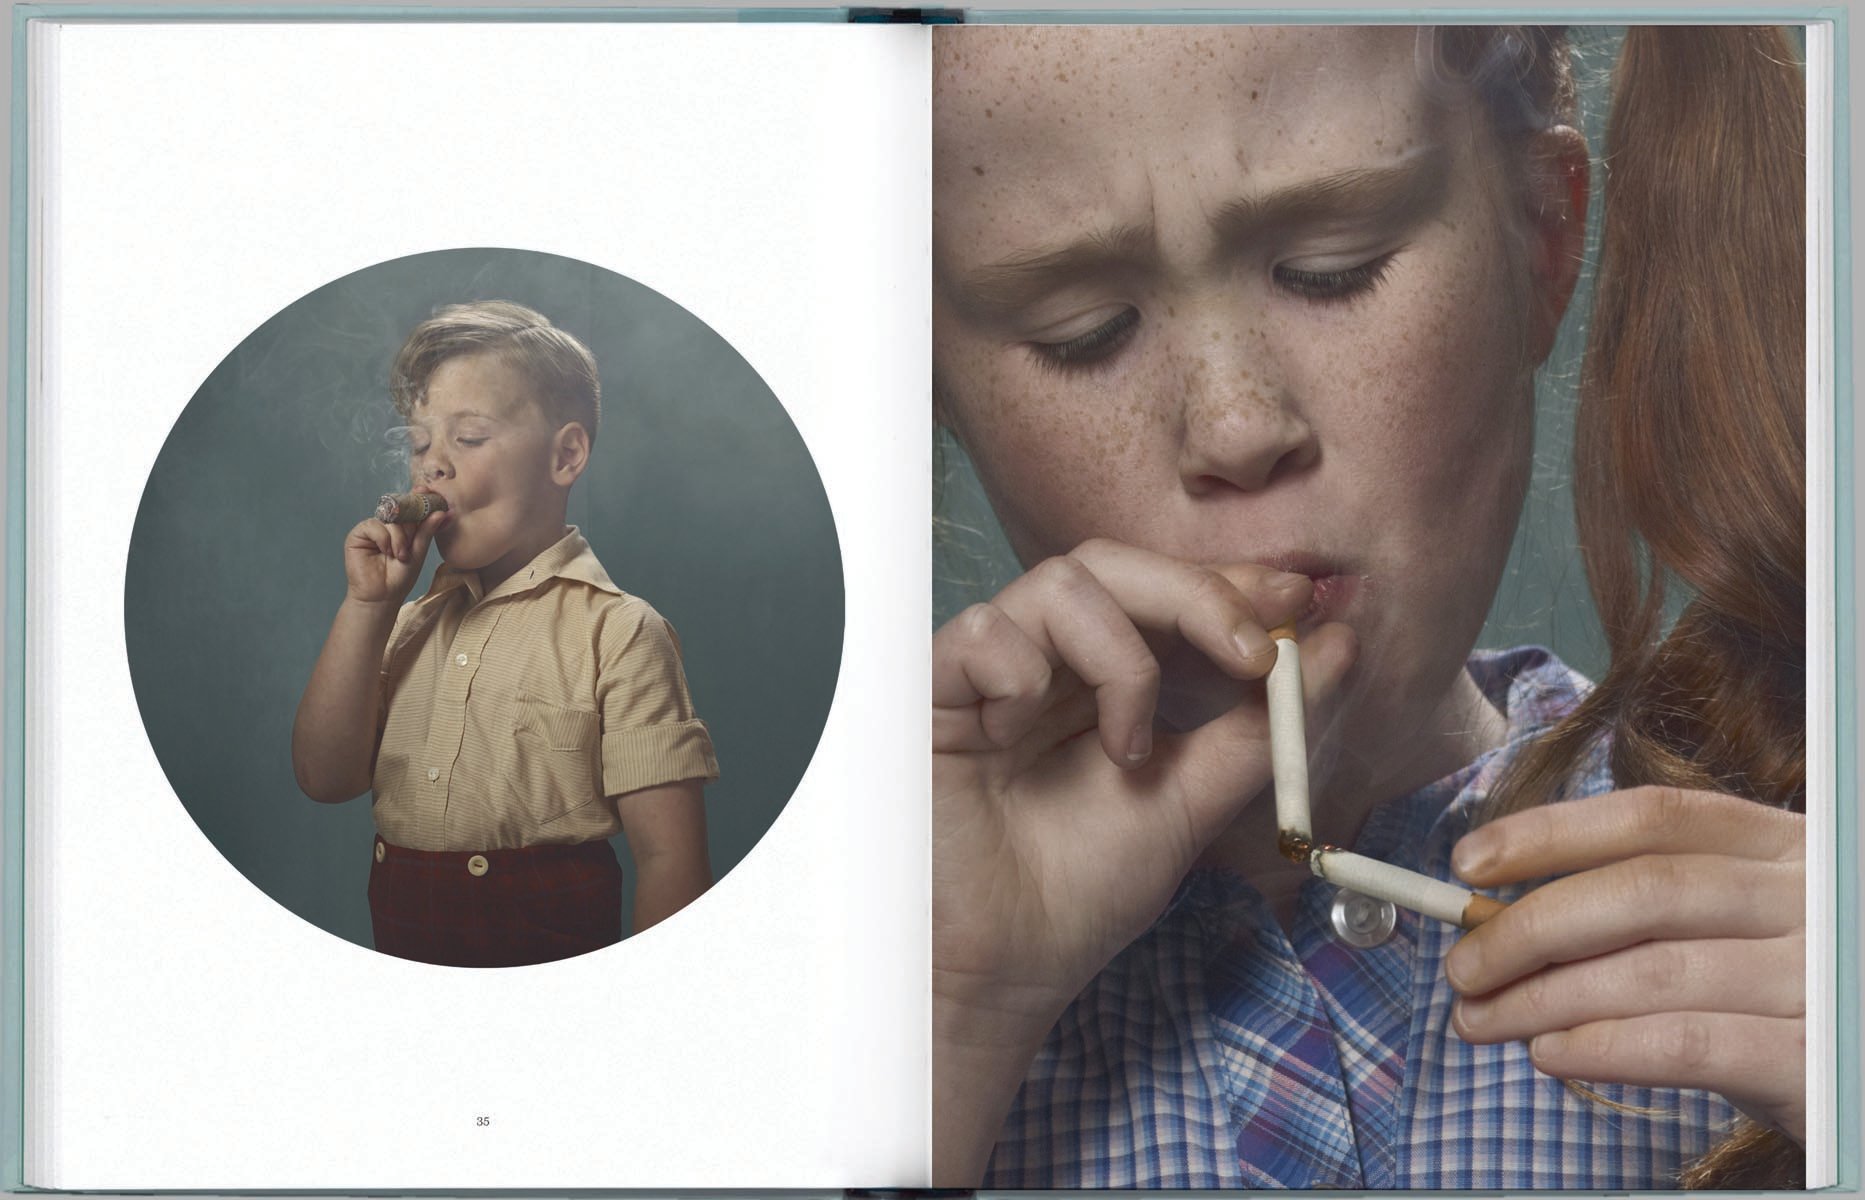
[[1218, 1051]]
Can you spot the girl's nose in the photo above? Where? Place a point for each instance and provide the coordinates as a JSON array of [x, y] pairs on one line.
[[1241, 426]]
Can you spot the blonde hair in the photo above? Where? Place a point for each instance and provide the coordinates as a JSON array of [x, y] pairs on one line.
[[560, 369]]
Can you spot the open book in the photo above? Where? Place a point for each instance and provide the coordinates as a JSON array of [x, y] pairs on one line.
[[222, 231]]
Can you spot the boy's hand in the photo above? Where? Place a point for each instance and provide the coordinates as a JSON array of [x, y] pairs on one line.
[[382, 561]]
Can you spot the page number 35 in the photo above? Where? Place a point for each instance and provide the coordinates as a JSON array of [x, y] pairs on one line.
[[482, 1121]]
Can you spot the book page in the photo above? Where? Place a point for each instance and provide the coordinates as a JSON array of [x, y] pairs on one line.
[[187, 1029], [1267, 330]]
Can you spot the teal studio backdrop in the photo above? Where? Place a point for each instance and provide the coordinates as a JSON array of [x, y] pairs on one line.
[[701, 497]]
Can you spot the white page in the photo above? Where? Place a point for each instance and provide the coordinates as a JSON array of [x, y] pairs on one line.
[[189, 1033]]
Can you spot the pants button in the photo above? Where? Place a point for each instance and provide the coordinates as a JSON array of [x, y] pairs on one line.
[[478, 864], [382, 852]]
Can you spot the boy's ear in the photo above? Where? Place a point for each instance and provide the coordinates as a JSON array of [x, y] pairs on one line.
[[569, 454], [1558, 181]]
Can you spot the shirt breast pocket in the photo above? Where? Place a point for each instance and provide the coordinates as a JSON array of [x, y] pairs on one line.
[[555, 755]]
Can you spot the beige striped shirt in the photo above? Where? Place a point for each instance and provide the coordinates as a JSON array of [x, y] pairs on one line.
[[511, 718]]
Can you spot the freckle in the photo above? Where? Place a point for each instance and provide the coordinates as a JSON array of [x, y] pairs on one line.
[[987, 114], [1252, 93], [977, 170], [1171, 311]]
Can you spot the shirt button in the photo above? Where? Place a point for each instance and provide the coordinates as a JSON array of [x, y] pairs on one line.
[[381, 852], [459, 659], [478, 865], [433, 773], [1361, 920]]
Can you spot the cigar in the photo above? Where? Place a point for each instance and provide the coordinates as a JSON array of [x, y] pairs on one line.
[[409, 508], [1288, 758]]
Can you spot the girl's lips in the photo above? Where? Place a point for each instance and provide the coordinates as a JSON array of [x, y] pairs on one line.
[[1336, 586], [1333, 594]]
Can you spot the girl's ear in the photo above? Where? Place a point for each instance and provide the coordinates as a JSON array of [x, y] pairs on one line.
[[569, 454], [1558, 179]]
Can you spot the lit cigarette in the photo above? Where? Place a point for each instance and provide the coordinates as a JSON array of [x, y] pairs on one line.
[[1288, 744], [1288, 761], [409, 508], [1408, 889]]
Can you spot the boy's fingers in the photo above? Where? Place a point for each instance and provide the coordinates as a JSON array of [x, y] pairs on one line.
[[1577, 835], [424, 533]]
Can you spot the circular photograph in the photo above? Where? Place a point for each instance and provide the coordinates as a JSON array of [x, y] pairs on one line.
[[484, 607]]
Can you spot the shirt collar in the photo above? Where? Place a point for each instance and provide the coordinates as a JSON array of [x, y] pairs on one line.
[[568, 558]]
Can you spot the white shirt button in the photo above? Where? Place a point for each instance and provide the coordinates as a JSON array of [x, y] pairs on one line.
[[460, 659], [433, 773], [478, 864], [1362, 921]]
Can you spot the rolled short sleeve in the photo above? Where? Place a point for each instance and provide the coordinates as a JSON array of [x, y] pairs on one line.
[[650, 733]]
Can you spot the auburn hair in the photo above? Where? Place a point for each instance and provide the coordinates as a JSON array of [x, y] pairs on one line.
[[1689, 449]]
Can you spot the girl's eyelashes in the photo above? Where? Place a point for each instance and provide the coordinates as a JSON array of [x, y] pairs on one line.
[[1104, 340], [1092, 347], [1325, 287]]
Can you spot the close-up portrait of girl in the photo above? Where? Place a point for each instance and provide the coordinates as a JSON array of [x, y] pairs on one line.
[[1242, 327]]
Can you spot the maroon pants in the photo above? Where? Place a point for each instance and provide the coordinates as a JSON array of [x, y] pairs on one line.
[[495, 908]]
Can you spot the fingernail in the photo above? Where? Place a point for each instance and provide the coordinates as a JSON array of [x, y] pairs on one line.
[[1252, 642], [1140, 745], [1546, 1045], [1473, 854]]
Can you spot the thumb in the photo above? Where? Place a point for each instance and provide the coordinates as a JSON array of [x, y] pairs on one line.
[[424, 534], [1222, 765]]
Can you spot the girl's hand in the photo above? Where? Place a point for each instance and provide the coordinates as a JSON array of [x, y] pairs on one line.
[[1674, 957], [382, 561], [1061, 822]]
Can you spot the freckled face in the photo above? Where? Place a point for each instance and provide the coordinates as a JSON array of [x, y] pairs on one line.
[[480, 440], [1240, 295]]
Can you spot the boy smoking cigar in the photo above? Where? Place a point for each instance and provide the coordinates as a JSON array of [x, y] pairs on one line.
[[524, 710]]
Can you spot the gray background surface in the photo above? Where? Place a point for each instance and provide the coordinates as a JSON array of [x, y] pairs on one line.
[[700, 497]]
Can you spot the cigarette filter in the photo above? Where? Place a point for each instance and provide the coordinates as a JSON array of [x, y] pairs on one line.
[[409, 508]]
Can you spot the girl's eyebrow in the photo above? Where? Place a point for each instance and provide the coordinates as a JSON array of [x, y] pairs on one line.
[[1014, 283], [1398, 191]]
